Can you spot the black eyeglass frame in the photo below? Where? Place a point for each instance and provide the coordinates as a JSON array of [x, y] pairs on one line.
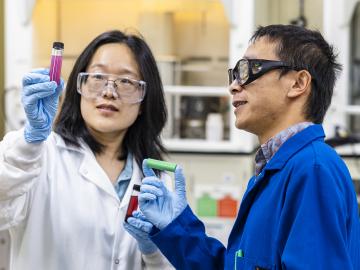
[[265, 65]]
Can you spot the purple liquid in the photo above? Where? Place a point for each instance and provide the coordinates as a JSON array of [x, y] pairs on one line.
[[55, 68]]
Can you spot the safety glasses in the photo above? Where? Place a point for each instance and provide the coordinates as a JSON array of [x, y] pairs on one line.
[[94, 85], [248, 70]]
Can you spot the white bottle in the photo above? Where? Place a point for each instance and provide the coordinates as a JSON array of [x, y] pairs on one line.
[[214, 127]]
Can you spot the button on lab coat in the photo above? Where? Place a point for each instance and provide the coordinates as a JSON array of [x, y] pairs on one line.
[[62, 211]]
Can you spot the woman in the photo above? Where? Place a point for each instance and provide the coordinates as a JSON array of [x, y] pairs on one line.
[[64, 193]]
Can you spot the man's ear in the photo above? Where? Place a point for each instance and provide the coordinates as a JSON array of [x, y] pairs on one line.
[[301, 84]]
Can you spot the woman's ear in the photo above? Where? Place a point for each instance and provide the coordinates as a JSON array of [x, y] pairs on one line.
[[301, 84]]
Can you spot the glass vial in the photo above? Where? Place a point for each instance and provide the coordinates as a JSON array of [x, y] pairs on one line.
[[56, 61], [133, 203]]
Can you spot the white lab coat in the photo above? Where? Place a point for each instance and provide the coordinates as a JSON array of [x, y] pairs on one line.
[[63, 212]]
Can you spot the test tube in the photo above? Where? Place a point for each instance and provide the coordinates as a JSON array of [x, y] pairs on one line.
[[56, 61], [133, 203], [161, 165]]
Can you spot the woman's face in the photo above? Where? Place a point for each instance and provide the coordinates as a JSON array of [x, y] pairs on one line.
[[106, 114]]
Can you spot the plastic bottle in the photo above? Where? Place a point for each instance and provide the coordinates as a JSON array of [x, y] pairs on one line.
[[214, 127], [227, 207], [206, 206]]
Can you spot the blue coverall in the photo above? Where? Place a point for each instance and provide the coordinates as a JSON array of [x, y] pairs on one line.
[[300, 212]]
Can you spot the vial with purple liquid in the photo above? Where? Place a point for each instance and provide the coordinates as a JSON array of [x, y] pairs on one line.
[[56, 61]]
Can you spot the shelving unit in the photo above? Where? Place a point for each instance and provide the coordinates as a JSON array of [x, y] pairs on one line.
[[238, 141], [353, 164]]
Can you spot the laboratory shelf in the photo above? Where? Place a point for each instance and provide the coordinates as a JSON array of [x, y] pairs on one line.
[[200, 145], [197, 90], [177, 140]]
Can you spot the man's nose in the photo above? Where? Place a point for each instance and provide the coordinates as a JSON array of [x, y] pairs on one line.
[[234, 87]]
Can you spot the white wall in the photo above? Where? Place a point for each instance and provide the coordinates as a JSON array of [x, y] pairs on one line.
[[18, 43], [18, 57], [283, 11], [337, 23], [18, 60]]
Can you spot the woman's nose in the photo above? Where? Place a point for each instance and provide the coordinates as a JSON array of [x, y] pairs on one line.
[[110, 91]]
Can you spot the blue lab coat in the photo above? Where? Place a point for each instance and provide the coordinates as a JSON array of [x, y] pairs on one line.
[[300, 213]]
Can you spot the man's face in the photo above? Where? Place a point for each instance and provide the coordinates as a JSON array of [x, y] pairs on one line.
[[260, 105]]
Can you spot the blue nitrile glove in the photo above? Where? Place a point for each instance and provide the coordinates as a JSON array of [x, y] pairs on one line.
[[139, 228], [156, 202], [40, 98]]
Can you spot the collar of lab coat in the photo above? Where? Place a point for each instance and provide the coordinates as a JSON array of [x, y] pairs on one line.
[[60, 143], [93, 172]]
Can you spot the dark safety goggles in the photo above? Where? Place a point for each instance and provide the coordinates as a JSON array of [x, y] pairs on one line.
[[248, 70]]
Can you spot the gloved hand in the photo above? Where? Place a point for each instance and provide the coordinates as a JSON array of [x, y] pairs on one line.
[[139, 228], [156, 202], [40, 98]]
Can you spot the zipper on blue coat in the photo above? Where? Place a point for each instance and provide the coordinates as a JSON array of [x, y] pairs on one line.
[[258, 176]]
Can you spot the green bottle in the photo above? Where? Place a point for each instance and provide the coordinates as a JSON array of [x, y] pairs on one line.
[[206, 206]]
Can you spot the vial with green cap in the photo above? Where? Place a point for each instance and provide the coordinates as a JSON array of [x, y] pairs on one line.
[[161, 165]]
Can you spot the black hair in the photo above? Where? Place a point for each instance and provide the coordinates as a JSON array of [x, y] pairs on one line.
[[142, 139], [302, 48]]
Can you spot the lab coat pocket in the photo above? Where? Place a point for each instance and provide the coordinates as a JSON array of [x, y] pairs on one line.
[[243, 263]]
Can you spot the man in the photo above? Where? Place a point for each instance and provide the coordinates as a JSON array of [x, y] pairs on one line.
[[299, 210]]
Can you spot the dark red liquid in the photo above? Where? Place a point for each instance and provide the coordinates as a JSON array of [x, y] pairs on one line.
[[133, 205]]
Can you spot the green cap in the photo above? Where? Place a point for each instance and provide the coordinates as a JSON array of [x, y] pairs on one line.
[[161, 165]]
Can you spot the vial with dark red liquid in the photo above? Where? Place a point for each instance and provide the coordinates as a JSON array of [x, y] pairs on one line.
[[133, 203]]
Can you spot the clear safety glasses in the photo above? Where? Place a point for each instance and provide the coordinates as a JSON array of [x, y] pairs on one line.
[[94, 85], [248, 70]]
